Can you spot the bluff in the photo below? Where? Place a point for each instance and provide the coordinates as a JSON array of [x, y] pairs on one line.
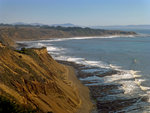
[[31, 81]]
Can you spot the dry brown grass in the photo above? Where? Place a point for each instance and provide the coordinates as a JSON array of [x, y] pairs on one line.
[[34, 78]]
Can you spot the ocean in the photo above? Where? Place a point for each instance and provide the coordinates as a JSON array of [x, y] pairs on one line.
[[129, 54]]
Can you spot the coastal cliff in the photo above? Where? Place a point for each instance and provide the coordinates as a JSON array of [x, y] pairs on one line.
[[31, 81]]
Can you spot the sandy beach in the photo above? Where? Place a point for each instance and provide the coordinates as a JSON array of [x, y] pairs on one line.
[[84, 93]]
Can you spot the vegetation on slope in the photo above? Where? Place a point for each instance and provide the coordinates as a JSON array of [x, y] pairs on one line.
[[4, 38], [31, 78], [7, 106], [27, 32]]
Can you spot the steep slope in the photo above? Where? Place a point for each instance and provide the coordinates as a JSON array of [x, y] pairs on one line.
[[31, 78]]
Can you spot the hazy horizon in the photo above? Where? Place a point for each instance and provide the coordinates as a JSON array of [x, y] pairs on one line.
[[19, 23], [78, 12]]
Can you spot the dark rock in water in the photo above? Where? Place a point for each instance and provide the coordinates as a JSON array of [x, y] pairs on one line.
[[109, 73], [103, 90], [117, 105], [107, 97], [84, 75]]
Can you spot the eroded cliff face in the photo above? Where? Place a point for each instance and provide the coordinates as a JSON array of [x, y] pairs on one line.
[[30, 77]]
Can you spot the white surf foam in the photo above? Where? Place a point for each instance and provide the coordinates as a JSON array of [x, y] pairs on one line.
[[130, 79], [56, 49], [93, 70], [128, 85], [75, 38]]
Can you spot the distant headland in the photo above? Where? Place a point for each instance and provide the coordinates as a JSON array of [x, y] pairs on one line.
[[37, 32]]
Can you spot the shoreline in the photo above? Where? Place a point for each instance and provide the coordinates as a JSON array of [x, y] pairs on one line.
[[104, 96], [78, 37], [84, 95], [99, 91], [85, 104]]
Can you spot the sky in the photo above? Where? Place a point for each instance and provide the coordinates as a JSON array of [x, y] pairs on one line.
[[79, 12]]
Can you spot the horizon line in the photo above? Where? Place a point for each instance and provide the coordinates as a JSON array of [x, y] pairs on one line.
[[21, 23]]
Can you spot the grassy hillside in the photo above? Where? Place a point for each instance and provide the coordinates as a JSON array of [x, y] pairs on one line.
[[31, 81], [46, 32], [6, 40]]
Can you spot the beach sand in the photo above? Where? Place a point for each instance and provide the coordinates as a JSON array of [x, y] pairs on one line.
[[86, 104], [99, 92]]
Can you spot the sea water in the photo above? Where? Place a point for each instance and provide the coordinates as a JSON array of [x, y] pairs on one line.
[[130, 54]]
